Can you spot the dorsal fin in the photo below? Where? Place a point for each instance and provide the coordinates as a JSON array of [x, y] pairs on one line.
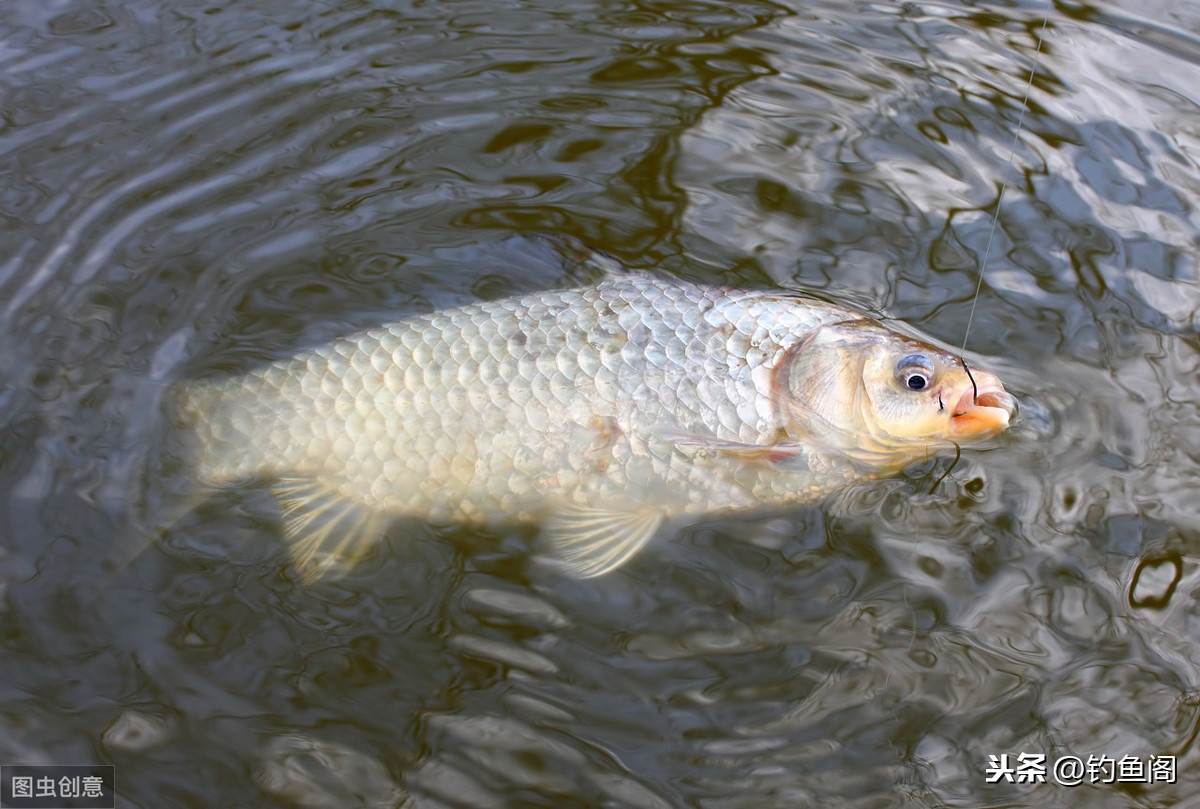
[[583, 264]]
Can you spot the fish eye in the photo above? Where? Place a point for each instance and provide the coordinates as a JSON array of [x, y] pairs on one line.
[[915, 372]]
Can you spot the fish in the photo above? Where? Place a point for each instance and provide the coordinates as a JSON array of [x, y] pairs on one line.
[[597, 413]]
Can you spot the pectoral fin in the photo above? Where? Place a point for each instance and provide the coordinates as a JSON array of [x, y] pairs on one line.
[[698, 446], [326, 532], [594, 541]]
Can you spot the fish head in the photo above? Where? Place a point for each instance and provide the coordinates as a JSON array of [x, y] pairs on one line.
[[888, 397]]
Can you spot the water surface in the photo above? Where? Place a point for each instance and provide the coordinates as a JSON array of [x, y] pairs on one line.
[[191, 187]]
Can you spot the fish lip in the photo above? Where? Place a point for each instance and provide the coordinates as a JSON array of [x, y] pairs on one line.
[[983, 414]]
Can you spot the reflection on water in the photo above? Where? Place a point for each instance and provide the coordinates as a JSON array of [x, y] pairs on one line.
[[190, 186]]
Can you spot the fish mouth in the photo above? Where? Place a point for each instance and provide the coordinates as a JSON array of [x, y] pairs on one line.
[[984, 414]]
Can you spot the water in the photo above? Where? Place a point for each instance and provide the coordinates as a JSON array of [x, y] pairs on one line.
[[191, 186]]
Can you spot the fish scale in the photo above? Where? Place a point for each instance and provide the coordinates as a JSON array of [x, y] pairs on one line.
[[600, 411]]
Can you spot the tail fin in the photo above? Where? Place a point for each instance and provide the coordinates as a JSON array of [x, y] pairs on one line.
[[186, 463], [156, 481]]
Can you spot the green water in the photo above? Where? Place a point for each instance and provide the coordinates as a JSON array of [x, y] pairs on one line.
[[188, 187]]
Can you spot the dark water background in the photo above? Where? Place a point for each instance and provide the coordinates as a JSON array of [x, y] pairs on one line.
[[187, 185]]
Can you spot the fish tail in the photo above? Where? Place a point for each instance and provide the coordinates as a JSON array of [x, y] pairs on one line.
[[216, 446], [159, 490], [190, 436], [209, 442]]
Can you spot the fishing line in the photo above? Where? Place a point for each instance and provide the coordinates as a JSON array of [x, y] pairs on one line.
[[1012, 151], [987, 250]]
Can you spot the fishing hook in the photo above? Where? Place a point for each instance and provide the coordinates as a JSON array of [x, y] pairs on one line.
[[970, 376], [949, 469]]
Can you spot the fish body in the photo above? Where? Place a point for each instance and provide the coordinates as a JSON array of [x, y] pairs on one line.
[[597, 412]]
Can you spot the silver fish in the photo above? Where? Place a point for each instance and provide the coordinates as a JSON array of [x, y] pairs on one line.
[[596, 412]]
